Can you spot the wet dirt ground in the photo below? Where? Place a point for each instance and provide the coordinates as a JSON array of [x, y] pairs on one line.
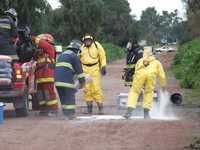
[[43, 133]]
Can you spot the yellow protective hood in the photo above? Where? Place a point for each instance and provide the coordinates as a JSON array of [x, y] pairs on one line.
[[147, 56]]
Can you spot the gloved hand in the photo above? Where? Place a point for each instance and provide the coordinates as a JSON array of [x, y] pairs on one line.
[[103, 71]]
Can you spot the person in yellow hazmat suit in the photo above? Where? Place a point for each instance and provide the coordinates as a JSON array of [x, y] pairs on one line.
[[93, 59], [148, 68]]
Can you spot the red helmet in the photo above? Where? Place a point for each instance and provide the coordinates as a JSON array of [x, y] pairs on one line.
[[47, 37]]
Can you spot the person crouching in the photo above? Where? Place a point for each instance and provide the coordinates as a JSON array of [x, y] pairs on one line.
[[68, 67]]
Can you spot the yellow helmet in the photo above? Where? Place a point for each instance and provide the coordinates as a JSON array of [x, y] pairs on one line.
[[87, 36]]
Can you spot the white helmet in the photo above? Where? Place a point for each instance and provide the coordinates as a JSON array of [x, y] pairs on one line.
[[11, 12]]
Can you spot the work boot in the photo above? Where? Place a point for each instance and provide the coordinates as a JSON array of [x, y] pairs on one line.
[[100, 108], [146, 114], [52, 113], [70, 117], [128, 113], [43, 113], [89, 107]]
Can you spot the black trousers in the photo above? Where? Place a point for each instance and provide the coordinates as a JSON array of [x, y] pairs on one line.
[[67, 99]]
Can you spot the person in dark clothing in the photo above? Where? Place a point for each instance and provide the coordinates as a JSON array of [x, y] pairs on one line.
[[68, 67], [8, 32], [134, 53]]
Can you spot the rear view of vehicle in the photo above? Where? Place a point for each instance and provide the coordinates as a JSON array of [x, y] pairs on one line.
[[17, 77], [12, 85]]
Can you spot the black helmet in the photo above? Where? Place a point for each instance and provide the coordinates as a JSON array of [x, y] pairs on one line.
[[75, 46], [11, 12]]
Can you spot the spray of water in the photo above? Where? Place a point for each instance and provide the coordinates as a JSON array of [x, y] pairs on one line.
[[162, 109]]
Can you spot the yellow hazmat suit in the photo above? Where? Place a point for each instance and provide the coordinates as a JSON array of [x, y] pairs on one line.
[[93, 58], [146, 71]]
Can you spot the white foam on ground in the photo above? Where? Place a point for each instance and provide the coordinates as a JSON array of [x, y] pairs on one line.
[[100, 117], [163, 109], [117, 117]]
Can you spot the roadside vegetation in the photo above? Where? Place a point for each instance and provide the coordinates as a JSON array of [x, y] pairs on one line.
[[113, 52], [186, 65]]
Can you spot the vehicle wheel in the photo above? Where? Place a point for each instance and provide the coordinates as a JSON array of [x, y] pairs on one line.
[[21, 105]]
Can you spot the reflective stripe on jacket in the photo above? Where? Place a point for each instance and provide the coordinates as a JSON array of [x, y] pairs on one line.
[[68, 67], [45, 68], [8, 30]]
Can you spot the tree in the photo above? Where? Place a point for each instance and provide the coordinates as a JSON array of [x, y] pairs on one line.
[[79, 17], [30, 12], [150, 22], [155, 27], [193, 15], [118, 24]]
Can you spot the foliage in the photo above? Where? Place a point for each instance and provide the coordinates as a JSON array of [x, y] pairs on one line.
[[108, 20], [155, 27], [193, 15], [30, 12], [118, 25], [187, 64], [78, 17], [113, 52]]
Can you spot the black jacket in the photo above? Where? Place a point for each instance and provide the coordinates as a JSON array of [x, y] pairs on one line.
[[134, 54]]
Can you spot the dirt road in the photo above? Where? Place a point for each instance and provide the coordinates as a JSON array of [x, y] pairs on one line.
[[43, 133]]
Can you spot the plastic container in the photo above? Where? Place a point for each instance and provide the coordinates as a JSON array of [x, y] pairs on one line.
[[122, 100], [1, 112]]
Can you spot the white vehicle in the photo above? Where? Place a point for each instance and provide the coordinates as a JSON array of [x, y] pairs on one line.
[[166, 49]]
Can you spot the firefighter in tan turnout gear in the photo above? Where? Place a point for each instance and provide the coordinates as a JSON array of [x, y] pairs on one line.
[[93, 59]]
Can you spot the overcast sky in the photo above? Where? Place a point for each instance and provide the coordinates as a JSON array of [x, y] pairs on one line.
[[170, 5], [138, 5]]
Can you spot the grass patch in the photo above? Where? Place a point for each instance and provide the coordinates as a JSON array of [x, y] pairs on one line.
[[186, 65], [113, 52], [191, 96]]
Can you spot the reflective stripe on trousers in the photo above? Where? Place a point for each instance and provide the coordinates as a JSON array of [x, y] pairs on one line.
[[66, 85], [68, 107], [49, 102], [46, 95]]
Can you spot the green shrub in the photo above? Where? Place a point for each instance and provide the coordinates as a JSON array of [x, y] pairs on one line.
[[186, 65], [113, 52]]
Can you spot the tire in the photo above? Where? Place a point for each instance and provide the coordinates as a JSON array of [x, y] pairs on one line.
[[22, 105]]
